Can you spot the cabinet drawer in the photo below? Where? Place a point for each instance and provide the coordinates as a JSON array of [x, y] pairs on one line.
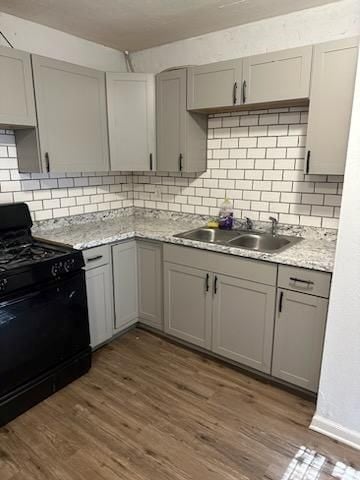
[[97, 256], [306, 281], [247, 269]]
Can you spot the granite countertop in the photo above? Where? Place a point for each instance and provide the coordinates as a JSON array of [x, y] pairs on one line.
[[316, 251]]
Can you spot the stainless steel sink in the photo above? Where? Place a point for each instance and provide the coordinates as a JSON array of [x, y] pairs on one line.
[[209, 235], [263, 242], [250, 240]]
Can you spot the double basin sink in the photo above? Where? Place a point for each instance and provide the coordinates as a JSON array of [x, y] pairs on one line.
[[248, 239]]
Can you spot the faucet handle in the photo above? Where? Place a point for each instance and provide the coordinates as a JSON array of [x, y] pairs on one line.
[[249, 223], [274, 225]]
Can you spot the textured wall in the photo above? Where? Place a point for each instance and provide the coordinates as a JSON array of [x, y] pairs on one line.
[[329, 22]]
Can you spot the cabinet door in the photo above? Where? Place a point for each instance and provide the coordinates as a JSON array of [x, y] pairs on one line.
[[277, 76], [125, 284], [214, 85], [243, 321], [331, 99], [131, 114], [187, 304], [171, 119], [150, 283], [71, 108], [17, 106], [100, 304], [298, 340]]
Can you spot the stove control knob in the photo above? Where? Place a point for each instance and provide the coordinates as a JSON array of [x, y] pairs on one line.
[[68, 265], [55, 270], [3, 284]]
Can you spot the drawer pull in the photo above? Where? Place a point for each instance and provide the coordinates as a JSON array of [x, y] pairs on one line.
[[92, 259], [299, 280]]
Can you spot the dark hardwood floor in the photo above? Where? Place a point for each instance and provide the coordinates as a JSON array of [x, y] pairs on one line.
[[151, 410]]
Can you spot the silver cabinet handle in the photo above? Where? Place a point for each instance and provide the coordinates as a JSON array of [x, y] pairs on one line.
[[235, 93], [244, 86]]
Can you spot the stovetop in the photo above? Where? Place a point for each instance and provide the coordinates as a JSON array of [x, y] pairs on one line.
[[26, 253], [26, 261]]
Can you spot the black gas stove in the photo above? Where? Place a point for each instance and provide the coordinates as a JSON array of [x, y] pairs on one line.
[[44, 330]]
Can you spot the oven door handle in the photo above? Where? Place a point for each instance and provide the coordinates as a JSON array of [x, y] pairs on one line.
[[20, 299]]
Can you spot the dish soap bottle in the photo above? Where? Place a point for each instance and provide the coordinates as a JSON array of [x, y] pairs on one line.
[[226, 215]]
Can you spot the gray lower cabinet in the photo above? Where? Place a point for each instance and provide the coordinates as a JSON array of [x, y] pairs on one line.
[[277, 76], [131, 115], [100, 299], [72, 131], [17, 106], [149, 263], [298, 340], [187, 304], [331, 99], [181, 135], [124, 259], [214, 85], [243, 321]]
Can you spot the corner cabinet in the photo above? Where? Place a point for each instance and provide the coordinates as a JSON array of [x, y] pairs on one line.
[[72, 120], [331, 100], [149, 263], [214, 85], [181, 135], [277, 76], [124, 260], [17, 106], [131, 115]]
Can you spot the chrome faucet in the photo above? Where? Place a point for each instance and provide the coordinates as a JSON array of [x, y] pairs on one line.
[[274, 226], [249, 224]]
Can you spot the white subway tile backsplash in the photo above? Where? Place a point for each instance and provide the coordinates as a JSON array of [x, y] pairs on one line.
[[254, 158], [257, 160]]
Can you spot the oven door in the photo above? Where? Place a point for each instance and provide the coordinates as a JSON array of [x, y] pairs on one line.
[[40, 328]]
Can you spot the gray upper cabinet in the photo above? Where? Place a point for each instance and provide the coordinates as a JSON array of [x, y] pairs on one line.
[[17, 107], [277, 76], [243, 321], [149, 260], [214, 85], [181, 135], [131, 114], [187, 304], [298, 339], [72, 119], [331, 98]]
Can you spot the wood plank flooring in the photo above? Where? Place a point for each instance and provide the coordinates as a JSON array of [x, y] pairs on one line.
[[151, 410]]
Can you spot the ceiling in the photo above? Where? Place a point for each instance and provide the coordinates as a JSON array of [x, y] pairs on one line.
[[139, 24]]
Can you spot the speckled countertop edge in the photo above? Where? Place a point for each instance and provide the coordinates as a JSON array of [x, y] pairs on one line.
[[316, 251]]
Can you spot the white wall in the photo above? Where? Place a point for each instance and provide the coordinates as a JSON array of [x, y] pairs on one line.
[[315, 25], [35, 38], [338, 409]]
